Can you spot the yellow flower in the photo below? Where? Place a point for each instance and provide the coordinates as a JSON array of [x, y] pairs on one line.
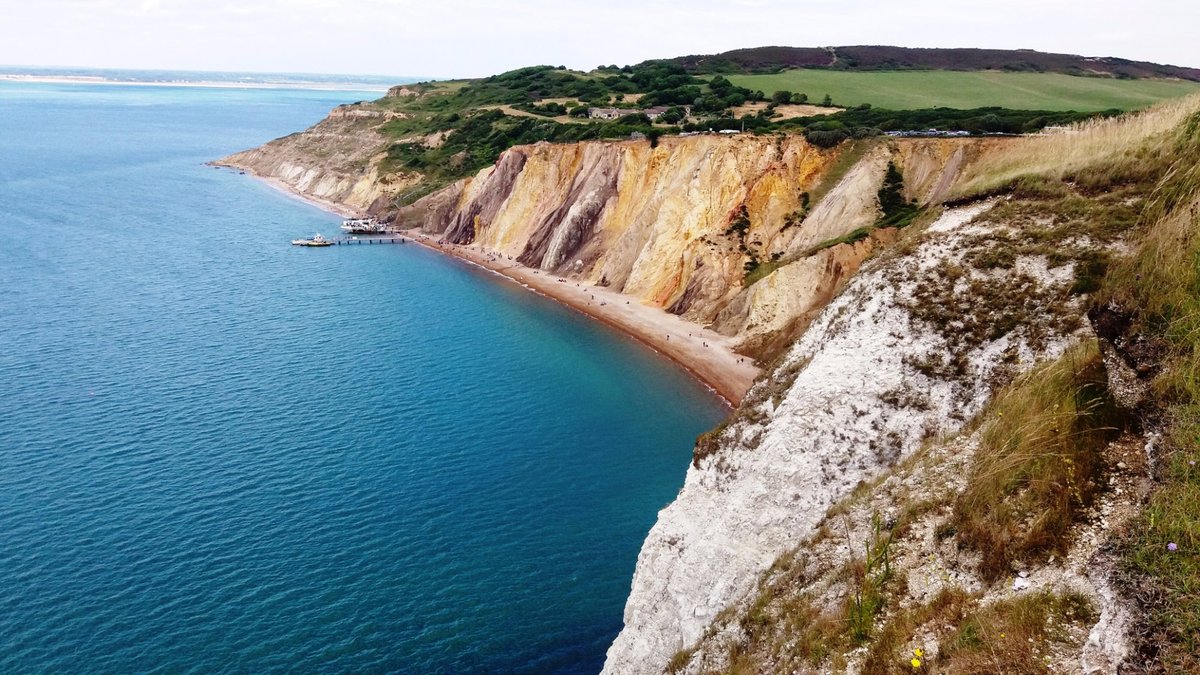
[[916, 663], [919, 652]]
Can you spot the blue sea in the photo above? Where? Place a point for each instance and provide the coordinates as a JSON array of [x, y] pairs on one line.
[[222, 453]]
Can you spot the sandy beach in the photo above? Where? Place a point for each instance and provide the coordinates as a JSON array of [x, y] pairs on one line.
[[706, 354]]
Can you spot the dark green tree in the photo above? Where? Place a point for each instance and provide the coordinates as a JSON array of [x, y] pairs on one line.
[[720, 85], [733, 99], [672, 115], [890, 198]]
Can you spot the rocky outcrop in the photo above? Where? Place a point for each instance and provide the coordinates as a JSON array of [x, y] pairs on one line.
[[775, 311], [487, 194], [337, 160], [861, 390], [675, 226], [932, 166]]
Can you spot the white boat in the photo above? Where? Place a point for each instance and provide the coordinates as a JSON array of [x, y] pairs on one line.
[[363, 226], [317, 240]]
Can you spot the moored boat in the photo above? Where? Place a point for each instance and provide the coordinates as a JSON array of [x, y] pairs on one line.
[[317, 240], [363, 226]]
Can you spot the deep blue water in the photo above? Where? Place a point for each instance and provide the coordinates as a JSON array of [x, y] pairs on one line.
[[219, 452]]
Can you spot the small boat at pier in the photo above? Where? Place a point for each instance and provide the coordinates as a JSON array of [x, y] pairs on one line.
[[317, 240], [363, 226]]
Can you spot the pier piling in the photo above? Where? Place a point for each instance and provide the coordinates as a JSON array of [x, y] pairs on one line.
[[371, 241]]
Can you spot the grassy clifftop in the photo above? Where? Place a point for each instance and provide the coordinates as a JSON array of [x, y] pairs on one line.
[[954, 89], [447, 130], [424, 136]]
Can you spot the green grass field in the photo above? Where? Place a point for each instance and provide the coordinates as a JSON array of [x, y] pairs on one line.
[[940, 88]]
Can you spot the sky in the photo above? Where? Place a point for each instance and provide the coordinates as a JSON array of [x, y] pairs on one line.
[[471, 38]]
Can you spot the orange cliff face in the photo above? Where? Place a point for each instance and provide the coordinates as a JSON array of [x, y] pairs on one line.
[[720, 230], [673, 226]]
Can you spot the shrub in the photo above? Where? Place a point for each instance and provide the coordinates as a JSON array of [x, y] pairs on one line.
[[826, 138], [673, 115]]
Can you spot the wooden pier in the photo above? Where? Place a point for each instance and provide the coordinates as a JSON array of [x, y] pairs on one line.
[[322, 242], [367, 242], [370, 241]]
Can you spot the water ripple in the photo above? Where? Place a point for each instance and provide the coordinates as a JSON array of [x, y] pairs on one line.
[[220, 453]]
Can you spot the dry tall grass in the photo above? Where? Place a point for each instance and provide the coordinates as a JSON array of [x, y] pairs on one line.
[[1160, 282], [1038, 462], [1104, 146], [1015, 635]]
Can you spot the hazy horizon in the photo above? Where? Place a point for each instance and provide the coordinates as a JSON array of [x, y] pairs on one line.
[[474, 38], [371, 85]]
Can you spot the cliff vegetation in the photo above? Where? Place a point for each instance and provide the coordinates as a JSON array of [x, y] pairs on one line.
[[1056, 531]]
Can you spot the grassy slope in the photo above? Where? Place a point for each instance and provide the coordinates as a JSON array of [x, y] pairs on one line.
[[1039, 465], [928, 89], [1159, 284], [1157, 153]]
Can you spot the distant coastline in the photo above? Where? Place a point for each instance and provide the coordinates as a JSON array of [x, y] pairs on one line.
[[216, 80], [212, 84]]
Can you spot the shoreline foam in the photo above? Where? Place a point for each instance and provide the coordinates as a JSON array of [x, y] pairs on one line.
[[705, 354]]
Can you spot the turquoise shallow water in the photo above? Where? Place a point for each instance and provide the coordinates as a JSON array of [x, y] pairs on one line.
[[222, 453]]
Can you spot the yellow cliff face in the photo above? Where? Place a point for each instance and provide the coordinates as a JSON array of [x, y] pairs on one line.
[[772, 313], [673, 226], [932, 166], [678, 226]]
